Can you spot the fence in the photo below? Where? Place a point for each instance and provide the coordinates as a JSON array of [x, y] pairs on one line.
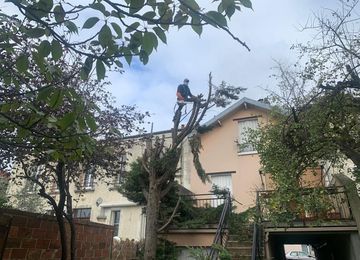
[[36, 236]]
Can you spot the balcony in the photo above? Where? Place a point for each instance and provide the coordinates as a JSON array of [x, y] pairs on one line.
[[333, 208]]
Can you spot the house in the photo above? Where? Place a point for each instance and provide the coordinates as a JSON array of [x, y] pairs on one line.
[[228, 158]]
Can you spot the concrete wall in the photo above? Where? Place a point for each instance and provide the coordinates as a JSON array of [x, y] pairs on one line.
[[35, 236]]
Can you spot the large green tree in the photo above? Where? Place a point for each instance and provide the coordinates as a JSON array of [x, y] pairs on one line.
[[318, 115], [55, 125]]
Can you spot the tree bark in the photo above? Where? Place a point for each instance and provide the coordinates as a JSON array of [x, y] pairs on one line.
[[152, 212], [59, 210]]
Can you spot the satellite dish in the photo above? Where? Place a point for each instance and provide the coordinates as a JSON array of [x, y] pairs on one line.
[[99, 201]]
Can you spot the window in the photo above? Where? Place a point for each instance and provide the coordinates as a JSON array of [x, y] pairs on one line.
[[89, 178], [122, 171], [83, 213], [116, 221], [245, 126], [222, 181]]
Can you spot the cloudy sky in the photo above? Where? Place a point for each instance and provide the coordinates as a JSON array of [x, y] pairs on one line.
[[269, 30]]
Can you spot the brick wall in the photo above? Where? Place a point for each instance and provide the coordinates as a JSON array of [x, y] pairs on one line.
[[35, 237]]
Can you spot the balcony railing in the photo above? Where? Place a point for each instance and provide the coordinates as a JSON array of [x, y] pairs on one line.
[[335, 199]]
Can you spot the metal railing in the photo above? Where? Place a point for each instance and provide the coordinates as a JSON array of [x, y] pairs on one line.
[[255, 248], [335, 199], [220, 236]]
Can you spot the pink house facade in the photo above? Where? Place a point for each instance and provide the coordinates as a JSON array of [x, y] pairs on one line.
[[227, 157]]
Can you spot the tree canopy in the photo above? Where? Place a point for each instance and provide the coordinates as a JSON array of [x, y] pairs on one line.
[[316, 120], [105, 33]]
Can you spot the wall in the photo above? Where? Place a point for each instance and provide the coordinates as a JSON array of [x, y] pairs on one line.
[[132, 222], [220, 154], [35, 236]]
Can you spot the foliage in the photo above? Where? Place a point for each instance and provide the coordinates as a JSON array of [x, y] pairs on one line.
[[166, 250], [237, 221], [113, 32], [190, 216], [126, 249], [200, 253], [314, 126], [3, 194], [27, 200], [55, 126]]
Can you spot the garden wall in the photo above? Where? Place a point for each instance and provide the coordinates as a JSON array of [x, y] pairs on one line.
[[25, 235]]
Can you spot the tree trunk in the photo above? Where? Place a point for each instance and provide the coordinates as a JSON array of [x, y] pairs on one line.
[[152, 212], [70, 219], [59, 210]]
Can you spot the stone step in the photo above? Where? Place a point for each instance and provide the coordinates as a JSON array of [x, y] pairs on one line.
[[240, 238], [240, 251], [241, 258], [234, 243]]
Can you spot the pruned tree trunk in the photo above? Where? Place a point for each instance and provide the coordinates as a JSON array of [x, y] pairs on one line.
[[152, 213]]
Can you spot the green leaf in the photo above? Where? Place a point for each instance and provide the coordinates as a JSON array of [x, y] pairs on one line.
[[192, 4], [44, 48], [59, 13], [128, 56], [40, 61], [218, 18], [160, 33], [91, 123], [196, 28], [246, 3], [100, 70], [105, 36], [67, 120], [22, 63], [147, 42], [226, 3], [132, 27], [45, 5], [149, 15], [56, 50], [35, 32], [86, 69], [136, 5], [230, 11], [89, 23], [100, 7], [56, 98], [71, 26], [144, 57], [117, 29], [44, 93]]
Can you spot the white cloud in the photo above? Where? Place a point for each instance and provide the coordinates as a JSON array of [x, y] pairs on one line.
[[269, 30]]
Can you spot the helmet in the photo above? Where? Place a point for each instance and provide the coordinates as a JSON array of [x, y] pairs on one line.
[[186, 80]]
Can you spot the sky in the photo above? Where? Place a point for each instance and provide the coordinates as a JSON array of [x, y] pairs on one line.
[[270, 29]]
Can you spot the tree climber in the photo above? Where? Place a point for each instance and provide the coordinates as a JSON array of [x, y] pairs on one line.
[[183, 93]]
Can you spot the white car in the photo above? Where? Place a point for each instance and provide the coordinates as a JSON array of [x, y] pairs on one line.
[[299, 255]]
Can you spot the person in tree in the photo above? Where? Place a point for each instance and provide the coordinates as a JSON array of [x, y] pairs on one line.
[[183, 93]]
